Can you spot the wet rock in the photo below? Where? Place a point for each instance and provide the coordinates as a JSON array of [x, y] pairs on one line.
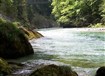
[[13, 43], [100, 71], [53, 70], [30, 34], [5, 68]]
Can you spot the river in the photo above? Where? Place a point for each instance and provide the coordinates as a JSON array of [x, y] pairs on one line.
[[81, 48]]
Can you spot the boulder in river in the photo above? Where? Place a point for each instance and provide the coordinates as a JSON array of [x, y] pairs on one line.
[[100, 71], [13, 43], [54, 70]]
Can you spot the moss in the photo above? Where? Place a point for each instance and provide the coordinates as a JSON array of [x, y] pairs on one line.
[[53, 70], [13, 43], [5, 68], [2, 20]]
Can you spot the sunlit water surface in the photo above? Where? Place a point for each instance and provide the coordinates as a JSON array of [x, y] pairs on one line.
[[83, 49]]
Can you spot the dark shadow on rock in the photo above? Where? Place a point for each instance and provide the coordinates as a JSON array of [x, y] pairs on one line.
[[100, 71], [13, 43]]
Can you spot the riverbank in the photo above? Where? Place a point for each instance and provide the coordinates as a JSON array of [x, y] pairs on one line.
[[87, 29]]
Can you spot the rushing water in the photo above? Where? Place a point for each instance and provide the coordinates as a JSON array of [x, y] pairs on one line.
[[83, 49]]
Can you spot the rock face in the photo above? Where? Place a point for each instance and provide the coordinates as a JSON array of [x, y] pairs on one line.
[[53, 70], [30, 34], [13, 43]]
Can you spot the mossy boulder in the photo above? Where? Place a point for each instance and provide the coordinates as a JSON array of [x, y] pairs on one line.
[[13, 43], [5, 68], [53, 70]]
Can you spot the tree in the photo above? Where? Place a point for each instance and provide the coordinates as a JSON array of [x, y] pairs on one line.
[[6, 7], [26, 13], [103, 12], [77, 12], [90, 11]]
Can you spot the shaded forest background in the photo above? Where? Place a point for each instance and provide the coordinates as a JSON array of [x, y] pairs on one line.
[[67, 13], [34, 15]]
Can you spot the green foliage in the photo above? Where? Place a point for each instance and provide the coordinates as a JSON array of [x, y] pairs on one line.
[[17, 24], [23, 12], [97, 25], [6, 7], [78, 12], [2, 20], [103, 12], [14, 9], [65, 11]]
